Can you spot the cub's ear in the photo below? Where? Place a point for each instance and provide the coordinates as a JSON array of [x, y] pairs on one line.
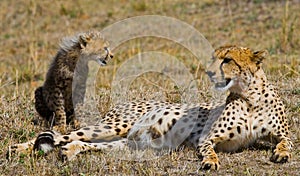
[[259, 56], [83, 40]]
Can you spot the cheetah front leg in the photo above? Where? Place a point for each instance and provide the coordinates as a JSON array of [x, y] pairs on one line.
[[224, 133], [282, 152], [60, 118], [207, 155]]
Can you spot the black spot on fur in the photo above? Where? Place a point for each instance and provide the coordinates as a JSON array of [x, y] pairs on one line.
[[80, 133], [238, 129], [107, 127], [185, 120], [177, 113], [83, 140], [153, 117], [94, 135], [174, 121], [160, 121]]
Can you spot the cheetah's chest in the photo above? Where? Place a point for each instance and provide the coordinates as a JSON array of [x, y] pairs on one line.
[[245, 131]]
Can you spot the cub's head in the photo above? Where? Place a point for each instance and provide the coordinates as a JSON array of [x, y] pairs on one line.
[[94, 47], [234, 67]]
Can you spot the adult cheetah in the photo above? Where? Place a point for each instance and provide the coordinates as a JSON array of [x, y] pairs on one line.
[[53, 100], [253, 110]]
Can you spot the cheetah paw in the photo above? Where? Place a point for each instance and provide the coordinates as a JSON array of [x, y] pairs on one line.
[[69, 151], [18, 149], [210, 163], [280, 156]]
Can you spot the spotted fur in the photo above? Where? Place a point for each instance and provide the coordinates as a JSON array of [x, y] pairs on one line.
[[53, 100], [252, 111]]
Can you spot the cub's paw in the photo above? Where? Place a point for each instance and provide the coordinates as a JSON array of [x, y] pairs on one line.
[[45, 142], [280, 156], [60, 128], [77, 124]]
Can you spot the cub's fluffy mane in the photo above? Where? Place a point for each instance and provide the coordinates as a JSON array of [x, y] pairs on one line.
[[68, 43]]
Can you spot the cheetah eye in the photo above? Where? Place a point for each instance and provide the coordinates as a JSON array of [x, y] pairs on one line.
[[226, 60]]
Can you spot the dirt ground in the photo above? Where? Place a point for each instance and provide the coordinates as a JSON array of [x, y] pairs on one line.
[[31, 31]]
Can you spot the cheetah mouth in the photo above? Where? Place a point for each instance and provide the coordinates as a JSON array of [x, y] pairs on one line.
[[101, 62], [224, 85]]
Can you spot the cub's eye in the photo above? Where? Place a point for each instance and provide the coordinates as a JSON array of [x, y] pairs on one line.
[[226, 60]]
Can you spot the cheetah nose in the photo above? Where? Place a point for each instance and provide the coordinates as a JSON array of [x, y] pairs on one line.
[[210, 74], [111, 56]]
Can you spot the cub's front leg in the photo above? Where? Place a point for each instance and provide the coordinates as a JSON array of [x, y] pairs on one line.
[[55, 101]]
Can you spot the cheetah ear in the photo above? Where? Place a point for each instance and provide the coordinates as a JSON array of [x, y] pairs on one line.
[[259, 56], [83, 40]]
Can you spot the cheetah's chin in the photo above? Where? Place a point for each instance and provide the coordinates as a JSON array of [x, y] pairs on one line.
[[225, 85]]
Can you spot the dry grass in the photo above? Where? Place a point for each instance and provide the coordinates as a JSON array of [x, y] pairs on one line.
[[30, 31]]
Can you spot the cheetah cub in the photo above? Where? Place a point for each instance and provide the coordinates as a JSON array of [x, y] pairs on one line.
[[53, 100]]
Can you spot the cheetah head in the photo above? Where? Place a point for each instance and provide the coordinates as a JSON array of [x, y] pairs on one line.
[[94, 47], [233, 67]]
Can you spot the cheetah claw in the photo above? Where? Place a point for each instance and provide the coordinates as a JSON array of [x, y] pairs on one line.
[[280, 156], [208, 164]]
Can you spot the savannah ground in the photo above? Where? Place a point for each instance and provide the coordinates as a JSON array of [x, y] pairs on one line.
[[30, 33]]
